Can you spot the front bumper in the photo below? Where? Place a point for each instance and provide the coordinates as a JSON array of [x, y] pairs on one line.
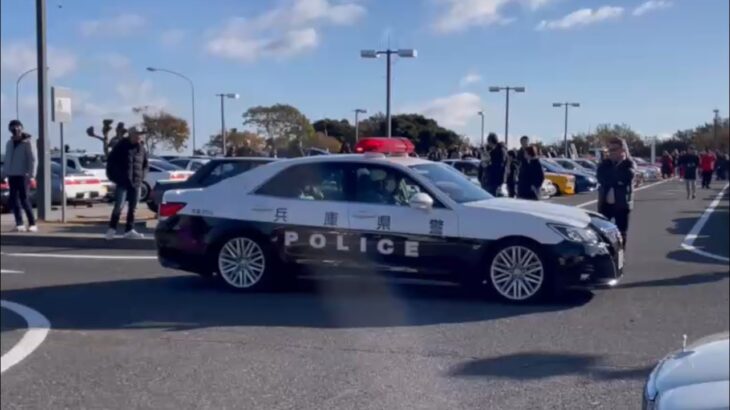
[[590, 265]]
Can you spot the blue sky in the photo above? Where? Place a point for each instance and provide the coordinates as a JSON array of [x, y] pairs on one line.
[[657, 65]]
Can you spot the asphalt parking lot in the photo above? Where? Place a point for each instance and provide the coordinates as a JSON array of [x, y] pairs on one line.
[[125, 333]]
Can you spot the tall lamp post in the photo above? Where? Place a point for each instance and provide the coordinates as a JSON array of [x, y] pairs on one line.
[[506, 106], [481, 114], [17, 91], [715, 123], [404, 53], [565, 128], [358, 111], [43, 176], [192, 92], [223, 96]]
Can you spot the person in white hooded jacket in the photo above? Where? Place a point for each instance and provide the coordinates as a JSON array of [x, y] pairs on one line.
[[20, 167]]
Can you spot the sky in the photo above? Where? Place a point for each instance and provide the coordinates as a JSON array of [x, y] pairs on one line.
[[656, 65]]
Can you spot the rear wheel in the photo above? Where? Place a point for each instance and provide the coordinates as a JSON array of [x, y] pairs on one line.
[[243, 264], [144, 192], [518, 273]]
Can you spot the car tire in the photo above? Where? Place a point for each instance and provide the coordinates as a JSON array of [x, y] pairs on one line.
[[144, 192], [244, 263], [517, 272], [152, 206]]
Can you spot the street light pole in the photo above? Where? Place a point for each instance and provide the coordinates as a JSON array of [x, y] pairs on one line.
[[715, 123], [405, 53], [17, 92], [192, 93], [565, 126], [223, 96], [481, 114], [506, 106], [357, 122], [43, 192]]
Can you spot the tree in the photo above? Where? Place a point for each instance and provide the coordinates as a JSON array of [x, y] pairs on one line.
[[280, 124], [339, 129], [163, 129], [423, 132], [241, 143], [325, 142]]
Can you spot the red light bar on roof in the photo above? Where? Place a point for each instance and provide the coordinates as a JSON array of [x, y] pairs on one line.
[[384, 145]]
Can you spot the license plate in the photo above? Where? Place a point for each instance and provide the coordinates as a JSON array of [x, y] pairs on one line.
[[620, 258]]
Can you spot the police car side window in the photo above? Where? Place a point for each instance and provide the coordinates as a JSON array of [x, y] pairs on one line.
[[313, 182], [384, 186]]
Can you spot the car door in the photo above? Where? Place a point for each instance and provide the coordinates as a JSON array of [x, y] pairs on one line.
[[306, 210], [393, 234]]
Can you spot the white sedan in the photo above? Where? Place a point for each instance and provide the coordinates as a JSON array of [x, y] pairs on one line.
[[161, 170]]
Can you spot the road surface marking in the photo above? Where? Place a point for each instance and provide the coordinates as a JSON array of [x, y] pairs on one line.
[[80, 256], [688, 242], [11, 272], [38, 327], [584, 204]]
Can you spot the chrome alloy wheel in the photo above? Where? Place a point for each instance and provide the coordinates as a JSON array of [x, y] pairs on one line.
[[517, 273], [241, 262]]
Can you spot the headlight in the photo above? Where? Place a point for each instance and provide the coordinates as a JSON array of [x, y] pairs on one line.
[[582, 235]]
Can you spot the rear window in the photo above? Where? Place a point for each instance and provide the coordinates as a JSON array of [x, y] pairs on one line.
[[165, 166], [92, 161]]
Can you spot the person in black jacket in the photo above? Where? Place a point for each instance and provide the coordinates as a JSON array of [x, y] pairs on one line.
[[690, 161], [615, 175], [127, 167], [494, 170], [513, 170], [531, 176]]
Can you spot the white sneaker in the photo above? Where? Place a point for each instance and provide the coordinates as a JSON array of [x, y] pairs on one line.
[[133, 235], [21, 228], [33, 228], [110, 234]]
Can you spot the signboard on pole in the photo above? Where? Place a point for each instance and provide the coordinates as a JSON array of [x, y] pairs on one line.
[[61, 113]]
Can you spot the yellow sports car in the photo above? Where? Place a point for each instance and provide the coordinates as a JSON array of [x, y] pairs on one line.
[[564, 183]]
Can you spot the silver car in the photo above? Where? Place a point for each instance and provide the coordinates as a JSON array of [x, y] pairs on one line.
[[696, 377]]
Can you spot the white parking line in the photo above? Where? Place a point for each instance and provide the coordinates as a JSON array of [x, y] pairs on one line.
[[11, 272], [688, 242], [584, 204], [38, 327], [80, 256]]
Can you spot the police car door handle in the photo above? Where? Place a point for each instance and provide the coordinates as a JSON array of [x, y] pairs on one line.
[[364, 215]]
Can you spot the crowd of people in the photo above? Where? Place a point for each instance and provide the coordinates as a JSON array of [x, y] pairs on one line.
[[690, 164]]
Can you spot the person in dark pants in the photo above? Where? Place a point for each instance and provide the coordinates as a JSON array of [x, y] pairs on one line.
[[707, 166], [531, 176], [495, 169], [689, 162], [126, 167], [513, 170], [615, 175], [20, 166]]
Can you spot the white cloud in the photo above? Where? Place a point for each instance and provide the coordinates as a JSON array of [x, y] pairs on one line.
[[651, 5], [281, 32], [121, 25], [469, 79], [19, 57], [582, 17], [172, 37], [115, 61], [453, 111], [463, 14]]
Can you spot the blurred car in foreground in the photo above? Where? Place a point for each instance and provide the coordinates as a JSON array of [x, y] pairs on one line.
[[468, 167], [214, 171], [697, 377]]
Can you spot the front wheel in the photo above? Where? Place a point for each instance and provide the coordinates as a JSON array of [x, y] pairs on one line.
[[518, 273]]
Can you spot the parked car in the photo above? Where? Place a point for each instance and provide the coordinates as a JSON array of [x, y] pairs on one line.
[[587, 163], [190, 163], [80, 187], [583, 181], [649, 171], [548, 189], [468, 167], [696, 377], [573, 165], [161, 170], [215, 170], [89, 164]]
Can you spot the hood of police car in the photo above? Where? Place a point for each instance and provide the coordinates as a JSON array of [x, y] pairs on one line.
[[700, 369], [555, 213]]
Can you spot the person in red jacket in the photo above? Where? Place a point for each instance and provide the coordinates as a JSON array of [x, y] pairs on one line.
[[707, 166]]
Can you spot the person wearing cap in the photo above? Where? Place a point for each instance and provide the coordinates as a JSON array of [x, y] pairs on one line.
[[127, 167], [20, 167]]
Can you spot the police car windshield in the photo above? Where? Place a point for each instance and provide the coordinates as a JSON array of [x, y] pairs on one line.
[[452, 182]]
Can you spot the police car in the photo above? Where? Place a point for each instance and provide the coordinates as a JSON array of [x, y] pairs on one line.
[[381, 213]]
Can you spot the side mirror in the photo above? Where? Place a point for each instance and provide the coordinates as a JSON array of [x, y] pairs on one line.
[[421, 201]]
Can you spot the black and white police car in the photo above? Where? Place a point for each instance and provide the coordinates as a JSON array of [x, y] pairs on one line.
[[382, 213]]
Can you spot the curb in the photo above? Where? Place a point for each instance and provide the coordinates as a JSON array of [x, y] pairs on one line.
[[76, 241]]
